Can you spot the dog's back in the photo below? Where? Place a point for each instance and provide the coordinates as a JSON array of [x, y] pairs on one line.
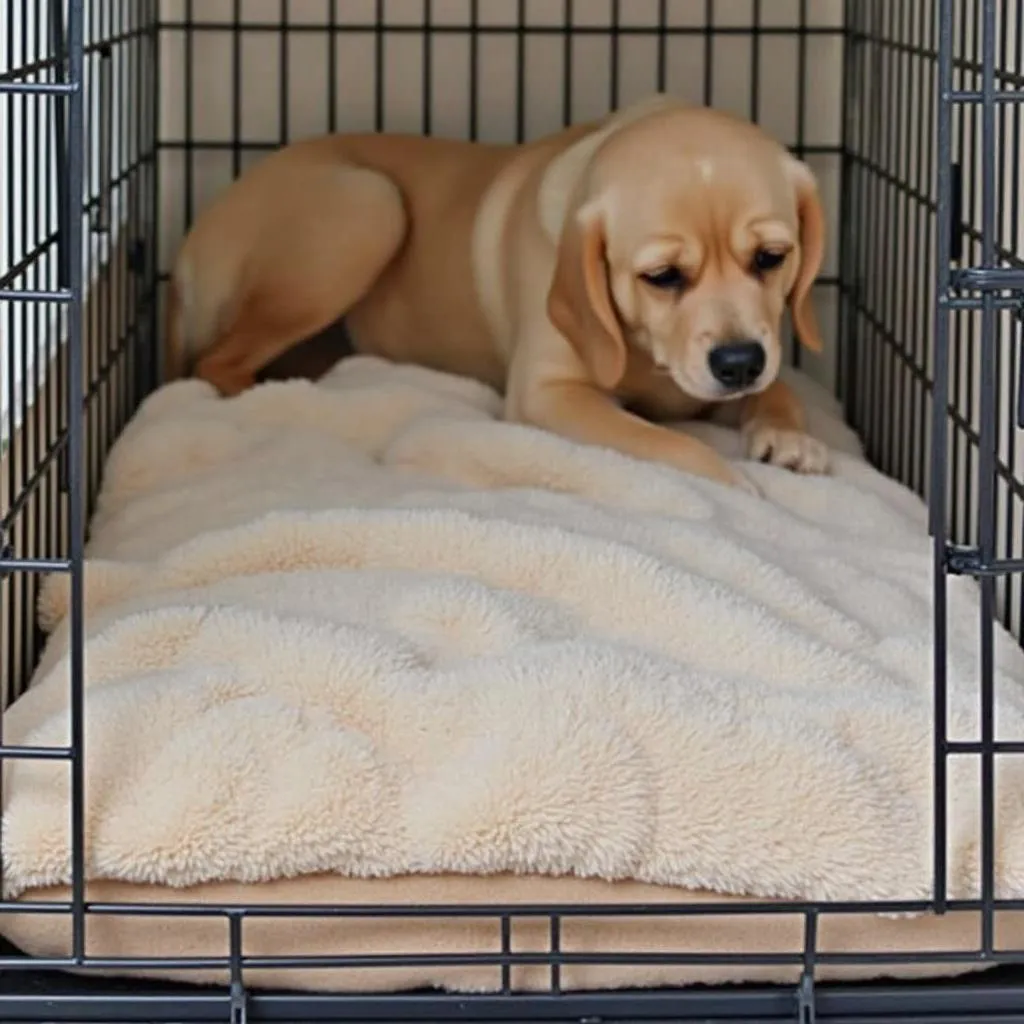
[[377, 227]]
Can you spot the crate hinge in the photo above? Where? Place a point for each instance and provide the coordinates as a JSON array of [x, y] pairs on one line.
[[988, 279], [239, 1010], [806, 1012], [961, 561]]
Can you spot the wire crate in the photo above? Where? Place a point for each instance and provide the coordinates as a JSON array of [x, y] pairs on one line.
[[120, 119]]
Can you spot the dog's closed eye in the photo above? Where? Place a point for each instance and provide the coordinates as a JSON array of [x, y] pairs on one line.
[[767, 259], [666, 278]]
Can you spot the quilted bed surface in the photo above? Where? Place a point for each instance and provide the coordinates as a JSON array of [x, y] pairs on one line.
[[364, 627]]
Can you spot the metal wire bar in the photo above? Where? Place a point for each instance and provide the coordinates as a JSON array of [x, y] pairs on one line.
[[986, 511], [449, 28], [74, 169], [939, 449]]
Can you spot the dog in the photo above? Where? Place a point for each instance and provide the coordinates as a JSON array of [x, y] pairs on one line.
[[613, 275]]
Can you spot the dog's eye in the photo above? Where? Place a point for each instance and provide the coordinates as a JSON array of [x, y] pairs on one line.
[[667, 277], [765, 260]]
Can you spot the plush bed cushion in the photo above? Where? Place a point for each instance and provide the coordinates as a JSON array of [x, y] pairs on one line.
[[365, 629]]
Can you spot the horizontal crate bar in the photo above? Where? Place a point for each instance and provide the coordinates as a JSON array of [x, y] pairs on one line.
[[31, 295], [507, 28], [884, 1001], [962, 561], [974, 305], [415, 911], [977, 97], [1001, 567], [483, 911], [912, 1002], [982, 279], [371, 961], [386, 961], [36, 753], [28, 487], [37, 907], [35, 963], [255, 145], [34, 565], [974, 747], [38, 88], [30, 258], [34, 67], [211, 1006]]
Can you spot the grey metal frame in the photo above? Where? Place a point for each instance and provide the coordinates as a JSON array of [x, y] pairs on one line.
[[923, 431]]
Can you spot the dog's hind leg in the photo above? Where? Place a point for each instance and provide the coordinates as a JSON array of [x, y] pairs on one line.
[[285, 252]]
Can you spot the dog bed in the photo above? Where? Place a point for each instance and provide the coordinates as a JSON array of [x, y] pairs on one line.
[[362, 641]]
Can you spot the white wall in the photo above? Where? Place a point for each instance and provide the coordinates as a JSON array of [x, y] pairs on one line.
[[31, 335]]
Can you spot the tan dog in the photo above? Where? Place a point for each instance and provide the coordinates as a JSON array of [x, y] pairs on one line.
[[640, 263]]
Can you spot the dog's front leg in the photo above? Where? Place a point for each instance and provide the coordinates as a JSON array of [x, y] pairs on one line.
[[773, 428], [581, 412]]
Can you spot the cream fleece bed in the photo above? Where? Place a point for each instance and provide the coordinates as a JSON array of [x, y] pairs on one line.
[[361, 641]]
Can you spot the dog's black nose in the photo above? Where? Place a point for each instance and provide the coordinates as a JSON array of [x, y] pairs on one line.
[[737, 364]]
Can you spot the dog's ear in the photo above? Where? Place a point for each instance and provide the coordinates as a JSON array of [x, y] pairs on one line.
[[812, 252], [580, 300]]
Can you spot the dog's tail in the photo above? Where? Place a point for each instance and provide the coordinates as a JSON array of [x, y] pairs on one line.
[[201, 303], [262, 267]]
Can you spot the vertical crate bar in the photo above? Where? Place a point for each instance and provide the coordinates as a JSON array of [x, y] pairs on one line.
[[72, 229], [987, 468], [938, 518], [846, 308], [795, 354], [151, 365]]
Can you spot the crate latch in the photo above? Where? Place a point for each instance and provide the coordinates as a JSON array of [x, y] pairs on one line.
[[239, 1010], [962, 561], [239, 1001], [806, 1011]]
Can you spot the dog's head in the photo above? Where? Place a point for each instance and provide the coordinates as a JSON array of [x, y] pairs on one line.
[[687, 235]]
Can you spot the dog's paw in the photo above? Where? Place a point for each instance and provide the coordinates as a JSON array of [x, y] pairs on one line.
[[790, 449]]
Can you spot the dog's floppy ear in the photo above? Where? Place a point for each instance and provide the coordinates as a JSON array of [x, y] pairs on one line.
[[580, 300], [812, 252]]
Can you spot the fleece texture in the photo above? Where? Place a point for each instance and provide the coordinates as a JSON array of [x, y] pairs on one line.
[[365, 628]]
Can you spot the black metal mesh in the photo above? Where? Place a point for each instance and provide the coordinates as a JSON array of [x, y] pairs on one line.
[[911, 113]]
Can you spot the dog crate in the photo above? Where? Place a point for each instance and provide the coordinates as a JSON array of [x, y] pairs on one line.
[[119, 119]]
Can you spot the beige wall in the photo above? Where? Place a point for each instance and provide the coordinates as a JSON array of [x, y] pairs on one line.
[[451, 55]]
